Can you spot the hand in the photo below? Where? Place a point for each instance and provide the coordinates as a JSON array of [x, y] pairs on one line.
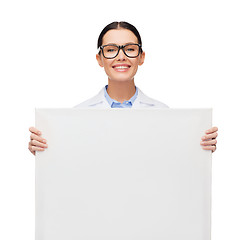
[[209, 140], [36, 143]]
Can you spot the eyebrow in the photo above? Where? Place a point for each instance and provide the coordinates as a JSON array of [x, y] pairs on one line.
[[123, 44]]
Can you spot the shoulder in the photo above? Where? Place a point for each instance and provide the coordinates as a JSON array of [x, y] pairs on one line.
[[97, 101], [143, 99]]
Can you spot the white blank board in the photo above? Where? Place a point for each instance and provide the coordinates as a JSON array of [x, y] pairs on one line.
[[123, 174]]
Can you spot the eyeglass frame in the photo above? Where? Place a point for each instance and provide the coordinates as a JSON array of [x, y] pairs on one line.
[[119, 48]]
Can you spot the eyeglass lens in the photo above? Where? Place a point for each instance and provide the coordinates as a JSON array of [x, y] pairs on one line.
[[111, 51]]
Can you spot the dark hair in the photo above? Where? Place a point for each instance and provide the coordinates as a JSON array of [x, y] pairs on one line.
[[118, 25]]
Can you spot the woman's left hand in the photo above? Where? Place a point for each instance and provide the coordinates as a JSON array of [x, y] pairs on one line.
[[209, 140]]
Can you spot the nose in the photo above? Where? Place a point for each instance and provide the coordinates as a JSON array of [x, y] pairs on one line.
[[121, 56]]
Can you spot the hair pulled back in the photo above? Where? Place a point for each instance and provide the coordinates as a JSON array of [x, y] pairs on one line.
[[118, 25]]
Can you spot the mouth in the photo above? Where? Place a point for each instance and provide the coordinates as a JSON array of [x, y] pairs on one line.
[[121, 67]]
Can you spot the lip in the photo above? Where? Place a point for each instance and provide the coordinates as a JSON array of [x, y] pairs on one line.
[[115, 67]]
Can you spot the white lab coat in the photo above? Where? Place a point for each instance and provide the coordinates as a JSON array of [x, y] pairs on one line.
[[142, 101]]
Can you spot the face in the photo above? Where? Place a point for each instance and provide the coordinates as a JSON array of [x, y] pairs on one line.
[[112, 67]]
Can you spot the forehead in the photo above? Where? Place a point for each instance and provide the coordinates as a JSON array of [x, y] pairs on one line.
[[119, 36]]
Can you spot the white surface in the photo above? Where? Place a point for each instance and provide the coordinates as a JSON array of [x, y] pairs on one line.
[[123, 174]]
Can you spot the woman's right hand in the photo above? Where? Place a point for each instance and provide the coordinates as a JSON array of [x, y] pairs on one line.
[[36, 143]]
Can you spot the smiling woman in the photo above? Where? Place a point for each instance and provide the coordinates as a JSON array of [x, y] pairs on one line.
[[120, 54], [120, 57]]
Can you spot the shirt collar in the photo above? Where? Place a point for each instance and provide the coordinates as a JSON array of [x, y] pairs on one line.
[[110, 100]]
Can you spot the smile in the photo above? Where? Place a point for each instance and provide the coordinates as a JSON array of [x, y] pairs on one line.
[[121, 68]]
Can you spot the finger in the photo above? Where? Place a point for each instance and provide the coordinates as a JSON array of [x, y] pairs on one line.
[[34, 130], [212, 130], [209, 143], [213, 148], [38, 144], [37, 138], [30, 148], [210, 136], [34, 148]]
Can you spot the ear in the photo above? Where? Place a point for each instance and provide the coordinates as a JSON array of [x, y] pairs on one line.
[[142, 58], [99, 59]]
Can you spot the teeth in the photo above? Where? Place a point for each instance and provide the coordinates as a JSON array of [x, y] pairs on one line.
[[121, 67]]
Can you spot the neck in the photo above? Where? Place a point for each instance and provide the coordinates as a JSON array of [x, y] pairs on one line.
[[121, 91]]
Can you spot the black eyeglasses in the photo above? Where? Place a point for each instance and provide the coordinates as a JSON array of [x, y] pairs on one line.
[[131, 50]]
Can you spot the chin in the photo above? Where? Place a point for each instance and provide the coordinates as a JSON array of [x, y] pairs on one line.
[[121, 77]]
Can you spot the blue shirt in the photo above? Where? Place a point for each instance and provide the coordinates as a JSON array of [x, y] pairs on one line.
[[115, 104]]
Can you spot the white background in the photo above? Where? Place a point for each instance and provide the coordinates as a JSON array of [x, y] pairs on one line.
[[47, 59]]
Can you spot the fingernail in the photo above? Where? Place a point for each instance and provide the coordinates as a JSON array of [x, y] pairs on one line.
[[39, 132], [44, 141]]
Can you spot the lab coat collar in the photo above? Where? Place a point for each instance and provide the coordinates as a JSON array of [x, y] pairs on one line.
[[99, 101]]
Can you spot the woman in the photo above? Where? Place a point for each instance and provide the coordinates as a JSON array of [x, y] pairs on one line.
[[120, 54]]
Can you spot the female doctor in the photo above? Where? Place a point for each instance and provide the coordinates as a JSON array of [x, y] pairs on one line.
[[120, 54]]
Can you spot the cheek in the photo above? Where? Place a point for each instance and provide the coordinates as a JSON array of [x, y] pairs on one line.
[[107, 62], [107, 66], [135, 64]]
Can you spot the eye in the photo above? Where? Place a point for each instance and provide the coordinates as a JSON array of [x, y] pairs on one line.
[[111, 49], [131, 48]]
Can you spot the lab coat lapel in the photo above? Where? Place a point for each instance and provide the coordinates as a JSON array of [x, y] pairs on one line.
[[100, 101], [142, 101]]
